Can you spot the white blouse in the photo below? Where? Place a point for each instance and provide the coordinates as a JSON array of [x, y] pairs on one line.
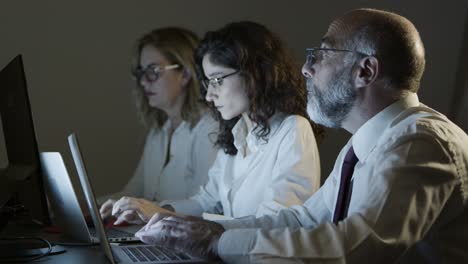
[[282, 172], [192, 154]]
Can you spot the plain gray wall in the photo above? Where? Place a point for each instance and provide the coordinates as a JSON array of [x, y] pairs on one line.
[[77, 58], [459, 106]]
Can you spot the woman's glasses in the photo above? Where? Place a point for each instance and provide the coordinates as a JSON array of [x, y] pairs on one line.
[[216, 81], [152, 72]]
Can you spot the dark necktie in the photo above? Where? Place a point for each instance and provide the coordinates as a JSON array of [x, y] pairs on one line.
[[346, 186]]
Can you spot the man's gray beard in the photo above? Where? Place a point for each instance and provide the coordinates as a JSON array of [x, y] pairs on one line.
[[330, 107]]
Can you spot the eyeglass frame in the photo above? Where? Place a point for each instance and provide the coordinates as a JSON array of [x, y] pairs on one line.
[[218, 80], [138, 73], [310, 54]]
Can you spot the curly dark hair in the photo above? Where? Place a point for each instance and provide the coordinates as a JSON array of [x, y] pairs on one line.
[[274, 82]]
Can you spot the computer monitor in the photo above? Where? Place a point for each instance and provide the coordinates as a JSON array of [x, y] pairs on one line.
[[21, 186]]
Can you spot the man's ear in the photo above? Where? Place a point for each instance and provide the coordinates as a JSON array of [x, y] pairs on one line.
[[186, 76], [367, 71]]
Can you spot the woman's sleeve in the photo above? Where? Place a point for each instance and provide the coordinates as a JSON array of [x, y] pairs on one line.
[[202, 155], [296, 174]]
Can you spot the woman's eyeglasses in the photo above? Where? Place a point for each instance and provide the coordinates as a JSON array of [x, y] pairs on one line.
[[152, 72], [216, 81]]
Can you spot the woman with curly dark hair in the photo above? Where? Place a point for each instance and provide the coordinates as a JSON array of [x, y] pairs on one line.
[[268, 158]]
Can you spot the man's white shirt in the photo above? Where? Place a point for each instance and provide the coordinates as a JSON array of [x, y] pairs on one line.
[[408, 202]]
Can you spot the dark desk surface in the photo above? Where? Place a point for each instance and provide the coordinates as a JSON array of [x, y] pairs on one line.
[[76, 254], [73, 254], [88, 254]]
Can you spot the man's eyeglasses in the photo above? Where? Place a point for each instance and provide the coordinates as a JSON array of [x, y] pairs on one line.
[[152, 72], [216, 81], [314, 55]]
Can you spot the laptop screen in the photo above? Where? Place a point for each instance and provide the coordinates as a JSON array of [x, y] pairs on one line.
[[21, 180], [89, 195]]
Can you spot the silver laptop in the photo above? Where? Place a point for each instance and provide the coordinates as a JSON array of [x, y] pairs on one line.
[[121, 253], [65, 205]]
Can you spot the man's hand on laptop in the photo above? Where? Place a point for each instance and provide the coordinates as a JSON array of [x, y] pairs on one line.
[[135, 210], [189, 234]]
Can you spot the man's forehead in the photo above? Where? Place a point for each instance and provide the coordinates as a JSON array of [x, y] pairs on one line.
[[327, 42], [333, 32], [336, 34]]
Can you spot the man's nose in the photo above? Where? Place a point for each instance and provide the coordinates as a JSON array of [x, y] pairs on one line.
[[307, 71]]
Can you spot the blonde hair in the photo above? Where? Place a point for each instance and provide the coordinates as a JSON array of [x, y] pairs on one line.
[[178, 46]]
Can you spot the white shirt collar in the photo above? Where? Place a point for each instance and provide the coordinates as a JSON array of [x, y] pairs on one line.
[[167, 126], [243, 138], [367, 135], [239, 132]]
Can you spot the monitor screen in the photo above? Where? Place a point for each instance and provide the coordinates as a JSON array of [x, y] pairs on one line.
[[21, 185]]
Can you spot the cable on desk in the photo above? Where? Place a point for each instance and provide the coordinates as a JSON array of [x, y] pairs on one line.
[[26, 259], [73, 244]]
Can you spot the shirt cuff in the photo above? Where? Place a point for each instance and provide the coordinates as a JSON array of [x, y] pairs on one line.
[[239, 223], [190, 207], [236, 244]]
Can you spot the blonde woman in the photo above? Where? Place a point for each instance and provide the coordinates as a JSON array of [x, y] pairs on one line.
[[178, 151]]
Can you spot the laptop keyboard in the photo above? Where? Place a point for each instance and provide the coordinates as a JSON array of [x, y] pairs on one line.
[[153, 253], [111, 233]]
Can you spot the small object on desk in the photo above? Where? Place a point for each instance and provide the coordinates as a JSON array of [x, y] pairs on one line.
[[26, 248], [57, 249], [14, 252]]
